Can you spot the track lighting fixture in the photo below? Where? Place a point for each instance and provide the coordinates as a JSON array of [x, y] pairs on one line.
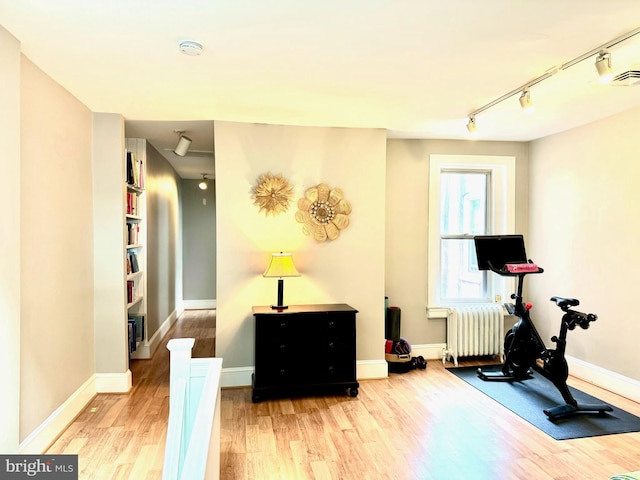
[[525, 101], [184, 142], [203, 183], [471, 125], [603, 65]]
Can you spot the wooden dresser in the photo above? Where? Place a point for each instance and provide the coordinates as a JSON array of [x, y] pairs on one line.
[[304, 349]]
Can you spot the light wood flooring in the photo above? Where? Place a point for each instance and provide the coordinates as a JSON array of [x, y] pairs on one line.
[[425, 424], [122, 436]]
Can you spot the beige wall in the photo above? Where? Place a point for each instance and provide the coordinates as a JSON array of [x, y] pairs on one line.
[[407, 213], [10, 248], [199, 241], [164, 250], [584, 214], [57, 354], [111, 354], [347, 270]]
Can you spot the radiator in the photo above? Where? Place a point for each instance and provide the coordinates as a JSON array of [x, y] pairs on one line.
[[474, 330]]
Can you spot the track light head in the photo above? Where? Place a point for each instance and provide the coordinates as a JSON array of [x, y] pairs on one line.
[[184, 142], [603, 65], [525, 101], [471, 125], [203, 183]]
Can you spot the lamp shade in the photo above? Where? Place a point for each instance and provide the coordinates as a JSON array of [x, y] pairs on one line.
[[281, 266]]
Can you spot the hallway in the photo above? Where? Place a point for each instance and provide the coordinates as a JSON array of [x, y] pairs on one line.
[[122, 436]]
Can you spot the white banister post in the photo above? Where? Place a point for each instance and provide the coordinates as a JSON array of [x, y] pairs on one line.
[[180, 358], [180, 369]]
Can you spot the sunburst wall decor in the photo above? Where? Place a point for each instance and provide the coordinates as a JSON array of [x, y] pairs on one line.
[[272, 193], [324, 212]]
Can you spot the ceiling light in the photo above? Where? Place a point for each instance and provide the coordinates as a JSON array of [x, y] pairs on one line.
[[471, 125], [191, 48], [603, 65], [184, 142], [525, 101], [203, 183]]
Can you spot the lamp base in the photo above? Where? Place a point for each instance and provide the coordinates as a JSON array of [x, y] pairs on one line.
[[279, 307]]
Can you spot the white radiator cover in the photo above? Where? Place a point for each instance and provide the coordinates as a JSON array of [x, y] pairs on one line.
[[473, 330]]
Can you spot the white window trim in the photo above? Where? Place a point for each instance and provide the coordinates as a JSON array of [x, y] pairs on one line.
[[503, 180]]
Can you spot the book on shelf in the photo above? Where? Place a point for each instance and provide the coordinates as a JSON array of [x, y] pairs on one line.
[[139, 322], [134, 171], [133, 231], [140, 174], [130, 294], [132, 203], [129, 168], [132, 262], [132, 335]]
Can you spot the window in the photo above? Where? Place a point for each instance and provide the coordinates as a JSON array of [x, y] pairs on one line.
[[468, 196], [463, 214]]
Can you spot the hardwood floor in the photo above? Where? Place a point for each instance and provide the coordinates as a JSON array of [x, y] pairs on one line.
[[122, 436], [425, 424]]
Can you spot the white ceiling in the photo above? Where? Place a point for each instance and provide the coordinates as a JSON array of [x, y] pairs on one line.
[[414, 67]]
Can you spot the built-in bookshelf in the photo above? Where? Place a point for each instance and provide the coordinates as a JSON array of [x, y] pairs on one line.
[[135, 254]]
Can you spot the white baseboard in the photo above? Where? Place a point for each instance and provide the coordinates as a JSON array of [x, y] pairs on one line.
[[113, 382], [38, 441], [199, 304], [369, 369], [434, 351], [143, 351], [600, 377], [236, 376], [157, 337], [241, 376]]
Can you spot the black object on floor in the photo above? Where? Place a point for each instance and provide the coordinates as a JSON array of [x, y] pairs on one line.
[[528, 399]]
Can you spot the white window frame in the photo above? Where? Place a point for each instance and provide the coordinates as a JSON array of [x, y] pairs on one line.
[[501, 220]]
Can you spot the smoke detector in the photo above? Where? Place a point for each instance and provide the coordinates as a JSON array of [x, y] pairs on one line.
[[191, 48]]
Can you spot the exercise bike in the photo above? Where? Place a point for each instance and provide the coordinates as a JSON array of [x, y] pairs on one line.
[[524, 349]]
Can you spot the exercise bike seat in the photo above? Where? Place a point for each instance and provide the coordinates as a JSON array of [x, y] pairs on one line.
[[564, 303]]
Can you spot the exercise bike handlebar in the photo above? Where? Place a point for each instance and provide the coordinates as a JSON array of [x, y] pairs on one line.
[[512, 270], [574, 318]]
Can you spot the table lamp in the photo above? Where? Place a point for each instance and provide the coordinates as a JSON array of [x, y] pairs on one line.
[[281, 266]]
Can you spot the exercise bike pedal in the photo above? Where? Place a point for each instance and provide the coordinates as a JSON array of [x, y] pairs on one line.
[[567, 410], [499, 376]]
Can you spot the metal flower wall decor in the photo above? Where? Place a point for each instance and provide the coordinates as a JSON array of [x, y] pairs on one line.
[[272, 193], [324, 212]]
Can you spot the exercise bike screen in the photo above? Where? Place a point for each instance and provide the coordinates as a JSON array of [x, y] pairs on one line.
[[499, 250]]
